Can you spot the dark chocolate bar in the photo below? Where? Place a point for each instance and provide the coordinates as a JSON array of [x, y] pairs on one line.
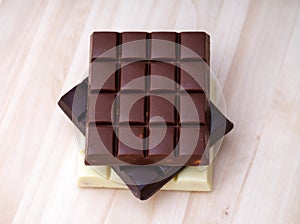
[[136, 176], [111, 116], [76, 113]]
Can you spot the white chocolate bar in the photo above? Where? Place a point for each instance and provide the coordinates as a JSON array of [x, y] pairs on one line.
[[190, 179]]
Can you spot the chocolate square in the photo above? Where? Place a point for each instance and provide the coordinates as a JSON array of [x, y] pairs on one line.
[[100, 145], [161, 50], [103, 76], [194, 45], [136, 112], [162, 105], [102, 43], [164, 148], [165, 70], [189, 101], [194, 77], [134, 45], [132, 151], [192, 143], [132, 77], [100, 108]]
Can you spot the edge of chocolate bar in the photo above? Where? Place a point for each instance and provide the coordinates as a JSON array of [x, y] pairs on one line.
[[76, 111]]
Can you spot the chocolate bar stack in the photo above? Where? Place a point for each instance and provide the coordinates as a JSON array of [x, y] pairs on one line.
[[145, 108]]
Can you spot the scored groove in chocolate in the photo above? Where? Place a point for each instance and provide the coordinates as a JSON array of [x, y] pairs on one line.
[[178, 39], [148, 46]]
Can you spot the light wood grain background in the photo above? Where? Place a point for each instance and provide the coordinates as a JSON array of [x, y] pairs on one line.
[[44, 47]]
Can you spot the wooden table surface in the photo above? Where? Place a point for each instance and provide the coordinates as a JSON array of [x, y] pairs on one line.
[[255, 50]]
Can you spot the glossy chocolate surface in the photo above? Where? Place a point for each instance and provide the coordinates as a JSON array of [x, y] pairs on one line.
[[162, 105], [136, 112], [104, 41], [134, 71], [159, 50], [194, 42], [97, 80], [164, 70], [140, 49]]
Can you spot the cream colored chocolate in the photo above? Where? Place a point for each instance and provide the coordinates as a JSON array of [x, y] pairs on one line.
[[190, 179]]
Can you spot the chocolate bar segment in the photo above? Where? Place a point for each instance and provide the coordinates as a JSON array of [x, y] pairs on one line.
[[100, 107], [98, 81], [105, 136], [193, 76], [137, 49], [163, 102], [134, 114], [159, 150], [159, 70], [161, 50], [186, 152], [132, 76], [131, 154], [190, 116], [193, 45], [162, 105], [102, 42]]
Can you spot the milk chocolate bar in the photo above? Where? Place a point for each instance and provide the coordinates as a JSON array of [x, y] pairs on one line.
[[181, 103]]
